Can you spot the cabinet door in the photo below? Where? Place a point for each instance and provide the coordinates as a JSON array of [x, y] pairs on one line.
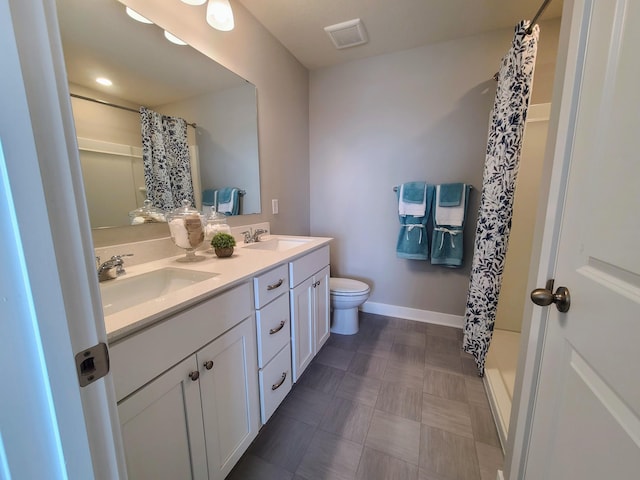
[[302, 327], [322, 320], [229, 392], [162, 427]]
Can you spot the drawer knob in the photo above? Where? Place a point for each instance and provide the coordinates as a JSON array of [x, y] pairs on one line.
[[276, 386], [194, 375], [273, 286], [278, 328], [208, 365]]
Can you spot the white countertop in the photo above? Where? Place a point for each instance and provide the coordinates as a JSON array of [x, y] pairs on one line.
[[245, 264]]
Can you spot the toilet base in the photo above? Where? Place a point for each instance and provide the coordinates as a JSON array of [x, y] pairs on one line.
[[344, 321]]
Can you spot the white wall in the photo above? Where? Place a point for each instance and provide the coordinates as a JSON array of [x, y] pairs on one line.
[[419, 114]]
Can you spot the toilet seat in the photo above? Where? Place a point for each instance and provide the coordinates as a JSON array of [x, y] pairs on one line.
[[347, 287]]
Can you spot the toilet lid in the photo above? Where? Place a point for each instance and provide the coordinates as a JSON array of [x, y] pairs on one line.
[[346, 286]]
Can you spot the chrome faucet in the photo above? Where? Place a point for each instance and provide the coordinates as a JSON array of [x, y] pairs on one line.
[[258, 232], [112, 268], [248, 236]]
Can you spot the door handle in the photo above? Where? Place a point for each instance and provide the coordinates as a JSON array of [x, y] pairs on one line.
[[545, 297]]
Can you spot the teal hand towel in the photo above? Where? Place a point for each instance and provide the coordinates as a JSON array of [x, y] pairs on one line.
[[208, 197], [413, 192], [450, 194]]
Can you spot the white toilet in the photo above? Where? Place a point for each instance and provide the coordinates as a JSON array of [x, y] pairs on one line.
[[346, 296]]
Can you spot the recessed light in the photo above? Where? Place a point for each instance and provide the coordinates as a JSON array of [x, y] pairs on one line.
[[173, 39], [194, 2], [136, 16], [104, 81]]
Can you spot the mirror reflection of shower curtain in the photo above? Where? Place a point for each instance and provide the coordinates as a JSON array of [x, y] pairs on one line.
[[504, 145], [167, 165]]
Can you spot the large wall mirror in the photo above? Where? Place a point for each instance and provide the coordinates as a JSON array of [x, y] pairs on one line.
[[101, 41]]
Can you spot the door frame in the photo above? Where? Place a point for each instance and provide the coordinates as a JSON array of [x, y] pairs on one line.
[[566, 92], [51, 231]]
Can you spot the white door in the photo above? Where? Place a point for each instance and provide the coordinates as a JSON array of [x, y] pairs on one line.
[[302, 327], [162, 427], [586, 416], [229, 391], [322, 320]]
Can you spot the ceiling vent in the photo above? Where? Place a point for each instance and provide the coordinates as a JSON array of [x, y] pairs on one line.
[[347, 34]]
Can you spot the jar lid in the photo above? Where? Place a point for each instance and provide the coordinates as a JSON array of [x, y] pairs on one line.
[[147, 214]]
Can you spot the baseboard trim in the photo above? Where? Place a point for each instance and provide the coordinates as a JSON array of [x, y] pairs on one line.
[[425, 316], [499, 403], [500, 475]]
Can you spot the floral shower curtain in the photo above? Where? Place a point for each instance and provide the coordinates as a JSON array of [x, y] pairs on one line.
[[165, 154], [506, 131]]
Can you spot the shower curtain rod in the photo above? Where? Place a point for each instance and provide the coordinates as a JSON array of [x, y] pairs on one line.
[[537, 15], [530, 28], [102, 102]]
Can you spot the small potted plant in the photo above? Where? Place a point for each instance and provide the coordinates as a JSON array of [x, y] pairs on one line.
[[223, 244]]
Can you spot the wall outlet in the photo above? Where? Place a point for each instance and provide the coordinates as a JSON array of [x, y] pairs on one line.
[[274, 206]]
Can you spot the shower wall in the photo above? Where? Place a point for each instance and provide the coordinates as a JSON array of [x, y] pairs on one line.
[[513, 293]]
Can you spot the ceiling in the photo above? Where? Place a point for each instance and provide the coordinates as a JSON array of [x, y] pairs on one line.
[[391, 25]]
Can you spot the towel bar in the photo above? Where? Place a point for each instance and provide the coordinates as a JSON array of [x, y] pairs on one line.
[[395, 189]]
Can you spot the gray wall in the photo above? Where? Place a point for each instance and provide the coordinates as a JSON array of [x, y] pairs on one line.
[[419, 114]]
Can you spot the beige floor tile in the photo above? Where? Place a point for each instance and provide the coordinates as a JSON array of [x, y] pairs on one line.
[[447, 415], [334, 357], [375, 465], [360, 389], [400, 400], [347, 419], [445, 384], [484, 428], [395, 436], [414, 339], [330, 457], [445, 361], [405, 374], [367, 366], [490, 460], [447, 455]]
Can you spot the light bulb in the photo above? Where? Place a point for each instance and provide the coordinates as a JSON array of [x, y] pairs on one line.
[[104, 81], [220, 15], [136, 16], [173, 39]]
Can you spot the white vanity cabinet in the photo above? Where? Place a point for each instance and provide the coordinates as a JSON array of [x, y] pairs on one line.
[[309, 303], [273, 338], [190, 418]]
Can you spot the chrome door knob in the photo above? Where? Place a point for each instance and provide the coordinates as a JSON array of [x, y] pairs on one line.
[[544, 297]]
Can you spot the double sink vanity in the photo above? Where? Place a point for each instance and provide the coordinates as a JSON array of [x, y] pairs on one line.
[[202, 354]]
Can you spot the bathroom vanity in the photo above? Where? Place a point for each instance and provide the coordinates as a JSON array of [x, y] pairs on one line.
[[200, 368]]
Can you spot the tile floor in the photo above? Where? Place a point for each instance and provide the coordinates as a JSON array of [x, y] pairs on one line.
[[399, 400]]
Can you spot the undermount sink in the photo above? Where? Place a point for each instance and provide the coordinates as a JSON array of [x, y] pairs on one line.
[[126, 292], [278, 244]]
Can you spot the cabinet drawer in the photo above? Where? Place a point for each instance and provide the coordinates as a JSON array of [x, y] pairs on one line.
[[273, 329], [270, 285], [275, 383], [302, 268]]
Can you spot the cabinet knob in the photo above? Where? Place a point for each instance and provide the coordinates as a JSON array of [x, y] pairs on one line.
[[208, 365], [194, 375]]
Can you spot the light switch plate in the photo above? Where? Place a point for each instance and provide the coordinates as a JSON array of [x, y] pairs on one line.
[[274, 206]]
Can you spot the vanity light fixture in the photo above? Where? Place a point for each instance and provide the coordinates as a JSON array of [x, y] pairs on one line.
[[136, 16], [104, 81], [173, 39], [220, 15]]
